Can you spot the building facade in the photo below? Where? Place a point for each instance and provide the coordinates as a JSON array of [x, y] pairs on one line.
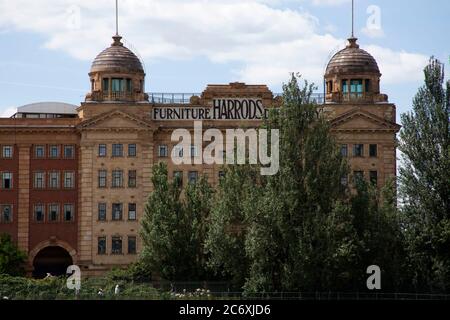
[[75, 179]]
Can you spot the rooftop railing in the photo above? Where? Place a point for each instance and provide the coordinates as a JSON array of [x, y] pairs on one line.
[[185, 98]]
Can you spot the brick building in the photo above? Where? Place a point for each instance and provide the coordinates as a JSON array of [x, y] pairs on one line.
[[75, 179]]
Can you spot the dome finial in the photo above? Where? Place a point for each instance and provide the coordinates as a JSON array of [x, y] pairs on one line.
[[352, 42]]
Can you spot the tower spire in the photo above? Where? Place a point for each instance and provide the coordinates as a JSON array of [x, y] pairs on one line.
[[353, 18], [117, 17]]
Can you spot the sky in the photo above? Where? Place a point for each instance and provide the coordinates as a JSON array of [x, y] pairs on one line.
[[47, 46]]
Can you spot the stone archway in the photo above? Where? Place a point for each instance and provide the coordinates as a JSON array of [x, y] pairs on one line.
[[51, 257]]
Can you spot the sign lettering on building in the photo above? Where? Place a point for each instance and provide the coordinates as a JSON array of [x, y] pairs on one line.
[[221, 109]]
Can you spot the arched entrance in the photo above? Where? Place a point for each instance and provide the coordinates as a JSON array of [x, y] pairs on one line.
[[53, 260]]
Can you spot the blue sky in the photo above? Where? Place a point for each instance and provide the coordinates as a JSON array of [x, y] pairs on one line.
[[48, 45]]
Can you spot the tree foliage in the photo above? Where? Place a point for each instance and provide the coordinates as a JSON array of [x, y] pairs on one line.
[[12, 259]]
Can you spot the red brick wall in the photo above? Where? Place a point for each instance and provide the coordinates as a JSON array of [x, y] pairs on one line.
[[10, 196]]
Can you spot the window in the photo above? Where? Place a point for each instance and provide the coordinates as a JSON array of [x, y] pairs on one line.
[[105, 84], [373, 175], [117, 209], [178, 151], [367, 85], [344, 181], [102, 150], [102, 178], [116, 245], [129, 85], [178, 177], [358, 150], [193, 176], [102, 211], [356, 86], [6, 212], [117, 150], [132, 178], [101, 245], [69, 180], [69, 152], [7, 152], [163, 151], [194, 151], [7, 180], [53, 180], [373, 150], [69, 212], [39, 213], [117, 85], [54, 152], [131, 245], [39, 180], [117, 179], [132, 150], [39, 151], [132, 211], [53, 212], [344, 86], [358, 176], [344, 150]]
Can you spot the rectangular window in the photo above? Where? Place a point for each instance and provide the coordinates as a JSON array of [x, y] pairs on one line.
[[102, 150], [117, 179], [69, 180], [117, 150], [117, 209], [116, 245], [178, 177], [39, 213], [367, 85], [358, 150], [101, 245], [178, 151], [39, 151], [7, 180], [163, 151], [192, 176], [373, 150], [6, 212], [105, 84], [54, 152], [39, 180], [358, 176], [102, 178], [117, 85], [132, 150], [69, 152], [53, 180], [132, 178], [373, 175], [132, 211], [344, 86], [131, 245], [7, 152], [356, 86], [102, 211], [53, 212], [344, 181], [69, 212], [194, 151], [344, 150], [129, 85]]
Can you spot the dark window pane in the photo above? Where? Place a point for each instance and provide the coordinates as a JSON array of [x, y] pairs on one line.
[[102, 211], [116, 247], [117, 209], [344, 150], [373, 150], [102, 245], [102, 150], [358, 150], [374, 177], [132, 150], [131, 245]]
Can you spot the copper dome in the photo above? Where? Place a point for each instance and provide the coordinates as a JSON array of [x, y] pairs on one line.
[[117, 58], [352, 60]]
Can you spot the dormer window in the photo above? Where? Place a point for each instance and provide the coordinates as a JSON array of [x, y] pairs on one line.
[[356, 86], [117, 85]]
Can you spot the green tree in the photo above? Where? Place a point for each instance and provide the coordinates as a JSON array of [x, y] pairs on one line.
[[425, 181], [174, 228], [12, 259]]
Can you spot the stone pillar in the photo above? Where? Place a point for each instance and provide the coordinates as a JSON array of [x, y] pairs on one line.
[[85, 204], [23, 216]]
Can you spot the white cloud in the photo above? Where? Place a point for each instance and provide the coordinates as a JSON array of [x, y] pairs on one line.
[[373, 32], [7, 112], [267, 42], [329, 2]]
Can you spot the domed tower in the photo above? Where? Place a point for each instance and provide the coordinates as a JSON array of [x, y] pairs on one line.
[[353, 76], [117, 74]]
